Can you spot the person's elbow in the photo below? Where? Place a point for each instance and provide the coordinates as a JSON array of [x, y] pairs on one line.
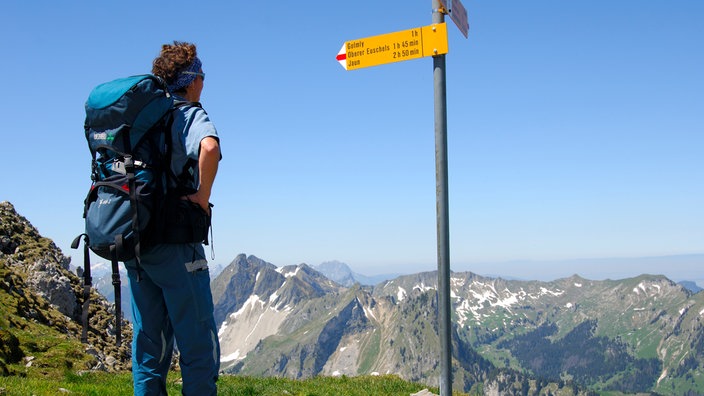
[[209, 147]]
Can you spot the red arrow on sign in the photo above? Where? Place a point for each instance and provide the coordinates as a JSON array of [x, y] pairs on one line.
[[342, 57]]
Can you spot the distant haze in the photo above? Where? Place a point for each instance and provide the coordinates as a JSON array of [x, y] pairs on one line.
[[677, 268]]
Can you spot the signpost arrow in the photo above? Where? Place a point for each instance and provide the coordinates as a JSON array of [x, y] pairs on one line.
[[394, 47], [342, 56]]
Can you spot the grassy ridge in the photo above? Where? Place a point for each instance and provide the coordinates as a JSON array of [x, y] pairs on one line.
[[105, 384]]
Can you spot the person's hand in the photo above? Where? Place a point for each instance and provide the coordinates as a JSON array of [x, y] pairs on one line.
[[198, 199]]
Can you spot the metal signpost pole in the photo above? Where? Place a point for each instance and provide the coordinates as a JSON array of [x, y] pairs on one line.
[[411, 44], [442, 203]]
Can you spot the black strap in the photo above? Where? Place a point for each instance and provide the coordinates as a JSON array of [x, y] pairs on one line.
[[114, 250], [127, 145], [87, 283], [132, 185], [210, 226]]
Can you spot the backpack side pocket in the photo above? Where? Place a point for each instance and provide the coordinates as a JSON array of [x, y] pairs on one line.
[[110, 217]]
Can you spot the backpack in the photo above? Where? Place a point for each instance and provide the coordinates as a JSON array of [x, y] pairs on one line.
[[128, 129]]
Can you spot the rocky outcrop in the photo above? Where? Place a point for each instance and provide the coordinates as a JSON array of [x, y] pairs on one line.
[[47, 280], [40, 290]]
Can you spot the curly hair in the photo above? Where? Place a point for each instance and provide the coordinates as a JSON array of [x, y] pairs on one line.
[[173, 59]]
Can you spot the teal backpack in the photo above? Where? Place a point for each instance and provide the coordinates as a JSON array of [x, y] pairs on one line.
[[127, 127]]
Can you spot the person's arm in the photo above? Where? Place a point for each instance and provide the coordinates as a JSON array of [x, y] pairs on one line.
[[208, 160]]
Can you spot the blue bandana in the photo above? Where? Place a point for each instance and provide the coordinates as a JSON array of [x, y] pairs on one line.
[[185, 79]]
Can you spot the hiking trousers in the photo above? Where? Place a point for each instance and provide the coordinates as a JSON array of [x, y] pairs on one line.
[[172, 301]]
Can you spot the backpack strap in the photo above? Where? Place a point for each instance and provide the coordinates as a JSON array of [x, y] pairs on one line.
[[118, 291], [132, 185], [177, 180], [87, 283]]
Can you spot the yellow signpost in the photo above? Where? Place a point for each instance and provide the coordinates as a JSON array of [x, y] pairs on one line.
[[411, 44], [394, 47]]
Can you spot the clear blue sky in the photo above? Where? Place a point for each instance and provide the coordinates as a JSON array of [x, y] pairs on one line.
[[575, 128]]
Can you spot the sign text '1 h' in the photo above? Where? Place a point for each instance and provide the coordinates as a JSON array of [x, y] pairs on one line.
[[394, 47]]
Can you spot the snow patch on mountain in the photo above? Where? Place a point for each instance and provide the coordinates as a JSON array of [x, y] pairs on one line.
[[254, 321], [401, 294], [288, 274], [482, 299], [423, 288]]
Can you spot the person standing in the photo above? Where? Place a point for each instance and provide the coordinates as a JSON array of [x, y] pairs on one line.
[[170, 286]]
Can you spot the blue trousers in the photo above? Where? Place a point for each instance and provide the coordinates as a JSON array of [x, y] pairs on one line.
[[172, 301]]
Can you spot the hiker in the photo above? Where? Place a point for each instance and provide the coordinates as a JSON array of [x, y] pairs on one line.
[[170, 285]]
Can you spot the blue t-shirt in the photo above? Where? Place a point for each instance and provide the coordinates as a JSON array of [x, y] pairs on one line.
[[191, 125]]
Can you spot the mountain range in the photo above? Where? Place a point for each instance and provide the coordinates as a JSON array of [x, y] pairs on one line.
[[642, 334]]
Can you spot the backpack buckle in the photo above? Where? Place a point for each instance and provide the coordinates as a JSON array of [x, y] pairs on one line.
[[129, 164]]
